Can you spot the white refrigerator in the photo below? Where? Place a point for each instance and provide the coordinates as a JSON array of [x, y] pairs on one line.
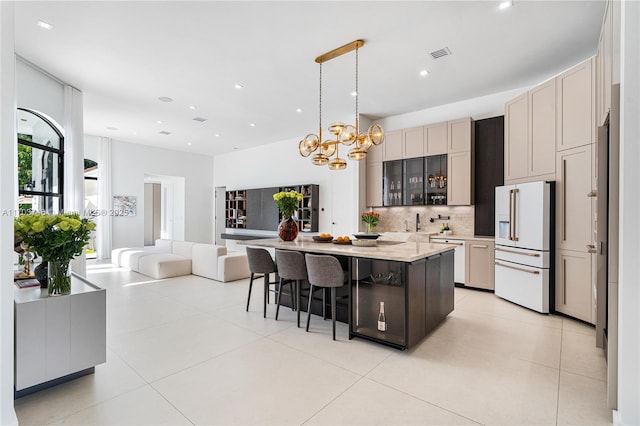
[[523, 255]]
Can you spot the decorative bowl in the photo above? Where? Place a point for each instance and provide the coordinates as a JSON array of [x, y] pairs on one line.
[[342, 242], [364, 243], [319, 239], [367, 236]]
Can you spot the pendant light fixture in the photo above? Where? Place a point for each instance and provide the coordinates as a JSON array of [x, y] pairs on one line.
[[345, 134]]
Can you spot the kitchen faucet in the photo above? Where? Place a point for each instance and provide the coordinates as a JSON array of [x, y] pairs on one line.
[[417, 222]]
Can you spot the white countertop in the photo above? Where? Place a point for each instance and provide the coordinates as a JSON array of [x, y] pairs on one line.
[[409, 251], [30, 294]]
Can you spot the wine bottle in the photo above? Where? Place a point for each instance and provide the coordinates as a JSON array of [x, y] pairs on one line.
[[382, 319]]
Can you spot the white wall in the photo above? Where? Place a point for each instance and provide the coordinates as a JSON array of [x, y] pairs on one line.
[[131, 162], [8, 197], [476, 108], [279, 164], [39, 91], [629, 288]]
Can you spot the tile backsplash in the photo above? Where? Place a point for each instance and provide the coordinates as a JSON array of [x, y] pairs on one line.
[[392, 219]]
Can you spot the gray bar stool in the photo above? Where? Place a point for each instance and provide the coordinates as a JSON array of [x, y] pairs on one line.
[[291, 269], [260, 262], [324, 272]]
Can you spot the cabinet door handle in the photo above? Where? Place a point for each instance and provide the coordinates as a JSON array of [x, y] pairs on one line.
[[591, 248], [518, 269], [593, 193], [517, 252], [479, 246]]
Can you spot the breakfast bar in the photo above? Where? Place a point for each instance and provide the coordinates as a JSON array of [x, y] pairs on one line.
[[413, 280]]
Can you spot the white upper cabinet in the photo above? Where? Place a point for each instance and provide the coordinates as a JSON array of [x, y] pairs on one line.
[[459, 136], [575, 91], [392, 146], [542, 131], [413, 142], [436, 138], [516, 138]]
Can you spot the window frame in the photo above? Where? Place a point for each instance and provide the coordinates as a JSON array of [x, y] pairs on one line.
[[59, 151]]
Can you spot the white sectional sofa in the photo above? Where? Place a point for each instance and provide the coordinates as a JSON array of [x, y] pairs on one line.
[[171, 258]]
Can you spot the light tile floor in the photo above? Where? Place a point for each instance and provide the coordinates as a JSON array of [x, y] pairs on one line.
[[184, 351]]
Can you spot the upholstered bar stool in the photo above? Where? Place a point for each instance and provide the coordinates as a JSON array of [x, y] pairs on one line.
[[324, 272], [291, 269], [260, 262]]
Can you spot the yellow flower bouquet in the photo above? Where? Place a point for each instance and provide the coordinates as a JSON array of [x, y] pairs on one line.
[[57, 239], [287, 202]]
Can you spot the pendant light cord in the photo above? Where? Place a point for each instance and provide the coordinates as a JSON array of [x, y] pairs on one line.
[[357, 95], [320, 109]]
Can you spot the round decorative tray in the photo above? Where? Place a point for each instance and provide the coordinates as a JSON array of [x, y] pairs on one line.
[[342, 242], [364, 243], [318, 239], [367, 236]]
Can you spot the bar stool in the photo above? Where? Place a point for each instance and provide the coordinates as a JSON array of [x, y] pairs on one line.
[[324, 272], [260, 262], [291, 269]]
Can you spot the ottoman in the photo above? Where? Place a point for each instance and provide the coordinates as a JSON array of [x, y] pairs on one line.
[[164, 265]]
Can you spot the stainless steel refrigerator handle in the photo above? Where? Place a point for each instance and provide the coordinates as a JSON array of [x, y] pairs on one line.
[[515, 213], [517, 252], [518, 269]]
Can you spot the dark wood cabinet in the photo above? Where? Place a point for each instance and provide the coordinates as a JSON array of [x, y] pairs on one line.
[[417, 297], [256, 208], [489, 171]]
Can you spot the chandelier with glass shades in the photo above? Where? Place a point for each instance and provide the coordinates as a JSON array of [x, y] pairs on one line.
[[345, 134]]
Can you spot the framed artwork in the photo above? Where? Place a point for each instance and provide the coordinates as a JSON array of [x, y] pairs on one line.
[[124, 205]]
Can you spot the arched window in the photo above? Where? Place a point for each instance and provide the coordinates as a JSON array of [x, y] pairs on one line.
[[40, 163]]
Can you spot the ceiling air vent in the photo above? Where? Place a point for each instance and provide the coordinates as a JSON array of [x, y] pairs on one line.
[[441, 53], [164, 132], [200, 119]]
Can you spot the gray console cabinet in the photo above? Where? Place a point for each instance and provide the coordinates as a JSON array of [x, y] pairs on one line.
[[57, 337]]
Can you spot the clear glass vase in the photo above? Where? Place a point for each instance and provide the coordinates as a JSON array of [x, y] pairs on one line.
[[59, 281]]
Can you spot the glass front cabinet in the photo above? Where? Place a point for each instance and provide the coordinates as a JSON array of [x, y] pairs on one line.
[[415, 181], [392, 183]]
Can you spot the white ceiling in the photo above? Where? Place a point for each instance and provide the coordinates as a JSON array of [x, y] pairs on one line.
[[124, 55]]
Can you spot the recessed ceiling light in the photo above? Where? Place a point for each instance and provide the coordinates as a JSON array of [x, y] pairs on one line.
[[505, 4], [424, 72], [238, 86], [45, 25], [189, 143], [299, 110], [200, 119], [252, 124], [164, 132], [192, 107], [217, 135], [159, 121], [134, 133], [112, 128], [354, 93], [165, 99]]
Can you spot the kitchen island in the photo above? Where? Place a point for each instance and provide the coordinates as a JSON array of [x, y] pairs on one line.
[[414, 280]]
